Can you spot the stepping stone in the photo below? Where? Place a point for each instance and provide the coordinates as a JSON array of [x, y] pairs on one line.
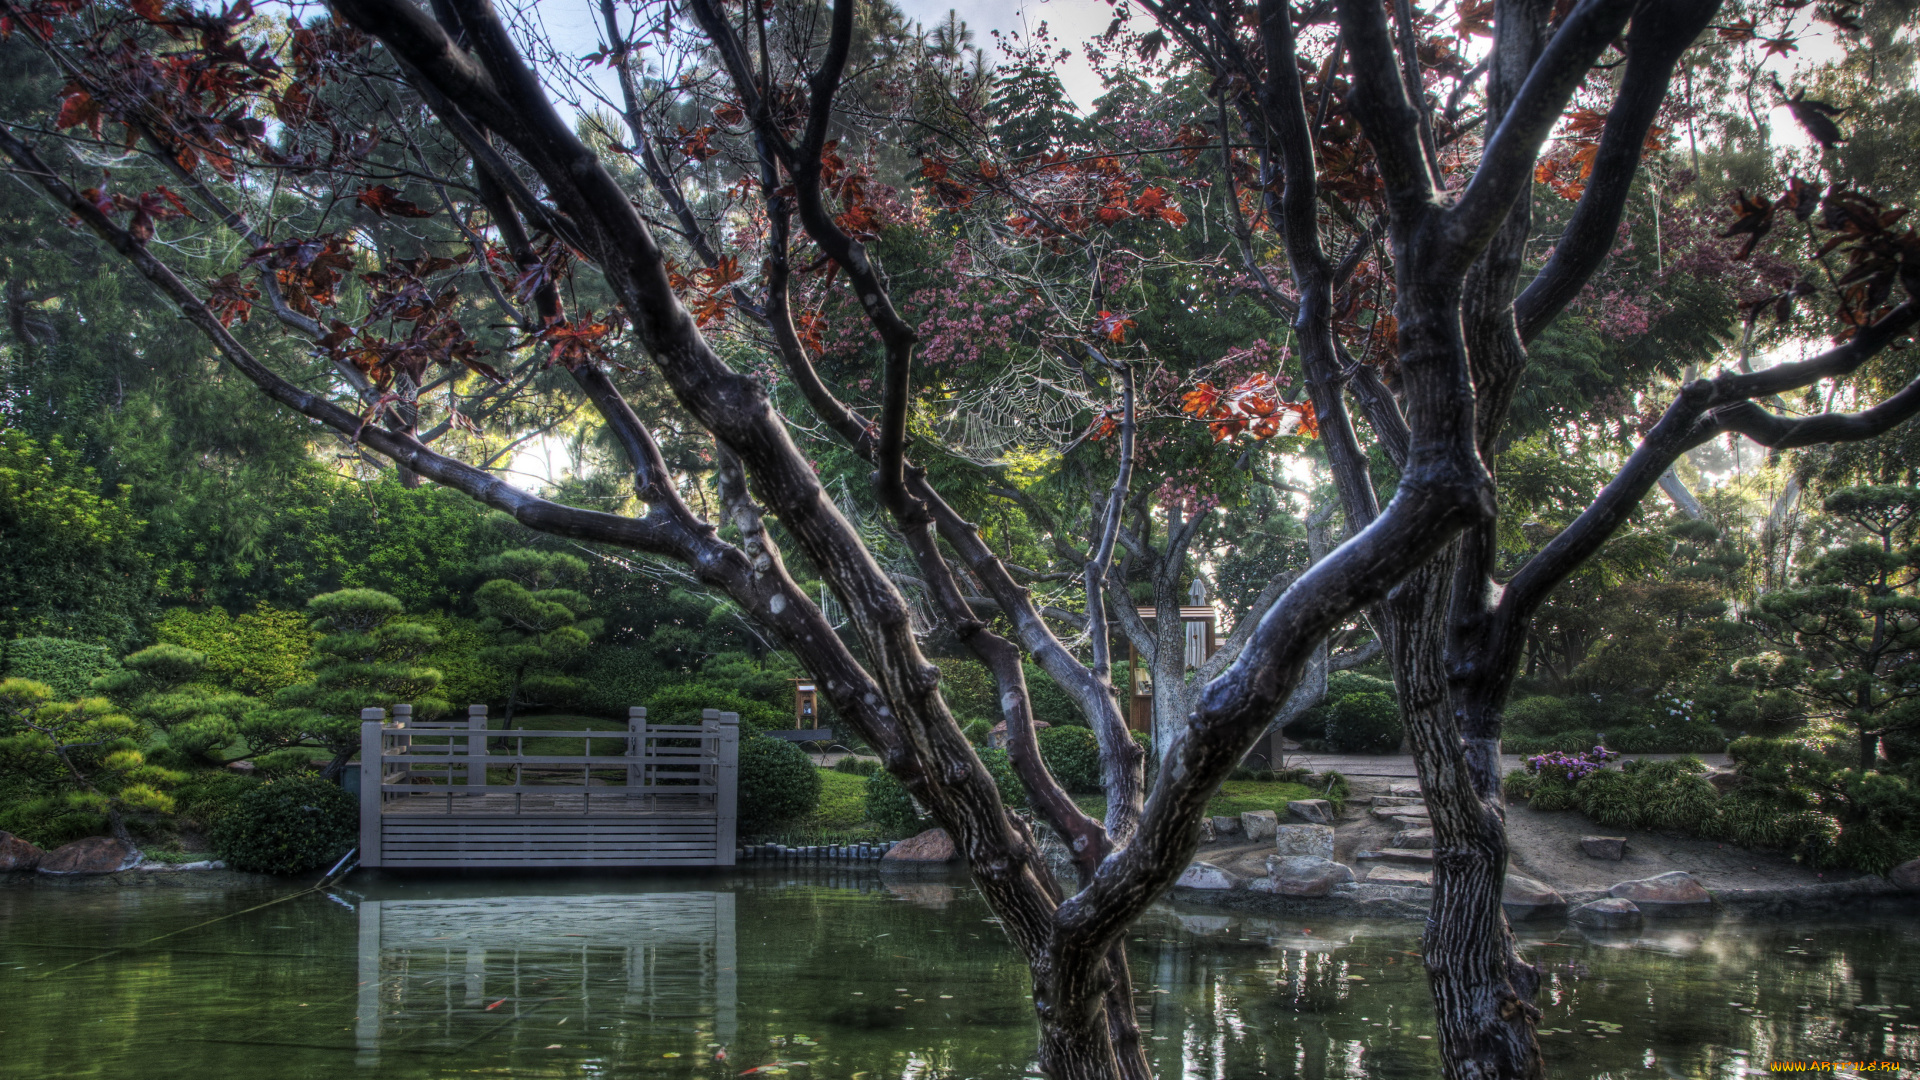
[[1674, 893], [1399, 875], [1612, 848], [1412, 810], [1310, 840], [1205, 875], [1312, 811], [1226, 825], [1259, 824], [1398, 800], [1524, 898], [1411, 788], [1411, 855], [1306, 875], [1612, 913], [1421, 837]]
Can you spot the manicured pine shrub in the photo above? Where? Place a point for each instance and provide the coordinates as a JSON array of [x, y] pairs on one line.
[[287, 826], [1072, 755], [778, 783]]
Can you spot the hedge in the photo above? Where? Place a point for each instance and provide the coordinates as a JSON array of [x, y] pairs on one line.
[[67, 667], [778, 783]]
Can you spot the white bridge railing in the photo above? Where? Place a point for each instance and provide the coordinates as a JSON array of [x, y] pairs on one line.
[[443, 789]]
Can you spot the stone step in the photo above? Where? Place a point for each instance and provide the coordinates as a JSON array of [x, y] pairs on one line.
[[1411, 788], [1417, 810], [1397, 800], [1419, 837], [1405, 855], [1399, 875]]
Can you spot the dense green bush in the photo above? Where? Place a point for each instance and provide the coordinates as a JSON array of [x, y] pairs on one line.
[[1072, 755], [890, 806], [206, 797], [287, 826], [466, 677], [684, 703], [778, 784], [1543, 715], [1667, 739], [1364, 723], [1000, 767], [67, 667], [1310, 727], [258, 653], [857, 766], [618, 678]]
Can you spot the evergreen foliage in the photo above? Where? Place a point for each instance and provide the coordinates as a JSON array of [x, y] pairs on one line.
[[287, 826]]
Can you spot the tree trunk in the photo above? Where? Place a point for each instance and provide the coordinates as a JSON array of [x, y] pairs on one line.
[[1869, 750]]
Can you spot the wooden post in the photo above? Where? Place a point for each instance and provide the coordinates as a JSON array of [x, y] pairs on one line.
[[477, 746], [371, 775], [727, 780], [636, 746]]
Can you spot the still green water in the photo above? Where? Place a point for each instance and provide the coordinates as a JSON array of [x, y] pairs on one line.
[[829, 974]]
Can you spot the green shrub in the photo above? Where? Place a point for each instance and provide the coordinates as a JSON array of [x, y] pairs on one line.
[[977, 731], [287, 826], [205, 798], [1667, 739], [258, 653], [999, 766], [890, 806], [1554, 792], [858, 766], [684, 703], [1333, 787], [778, 783], [1364, 723], [1520, 785], [619, 678], [1051, 704], [1072, 755], [1610, 798], [1543, 715], [1674, 795], [67, 667], [465, 677]]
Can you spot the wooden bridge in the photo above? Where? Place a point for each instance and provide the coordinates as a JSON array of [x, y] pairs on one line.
[[439, 794]]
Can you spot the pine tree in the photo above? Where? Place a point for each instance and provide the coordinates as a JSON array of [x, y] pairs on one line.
[[538, 623]]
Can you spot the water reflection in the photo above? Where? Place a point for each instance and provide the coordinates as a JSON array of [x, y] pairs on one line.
[[834, 973]]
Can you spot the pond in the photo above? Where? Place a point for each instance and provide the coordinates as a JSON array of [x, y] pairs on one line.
[[838, 974]]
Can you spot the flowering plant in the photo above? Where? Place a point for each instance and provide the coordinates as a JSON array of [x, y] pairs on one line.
[[1575, 768]]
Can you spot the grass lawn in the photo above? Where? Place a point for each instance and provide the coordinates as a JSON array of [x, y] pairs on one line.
[[843, 804], [1235, 797]]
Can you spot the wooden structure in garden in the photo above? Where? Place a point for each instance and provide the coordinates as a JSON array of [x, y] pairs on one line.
[[450, 795], [1201, 622]]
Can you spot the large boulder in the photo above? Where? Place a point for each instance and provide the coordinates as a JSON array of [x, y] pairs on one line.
[[18, 854], [1259, 824], [1312, 811], [1672, 893], [1205, 875], [1305, 875], [933, 848], [1612, 913], [1613, 848], [1906, 875], [94, 855], [1524, 898], [1313, 840]]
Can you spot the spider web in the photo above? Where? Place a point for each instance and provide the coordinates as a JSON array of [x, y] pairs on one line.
[[1032, 408]]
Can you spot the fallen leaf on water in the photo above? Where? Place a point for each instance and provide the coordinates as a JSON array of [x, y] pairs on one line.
[[553, 1046], [671, 1053]]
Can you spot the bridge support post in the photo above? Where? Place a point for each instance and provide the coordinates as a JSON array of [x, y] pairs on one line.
[[371, 775]]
